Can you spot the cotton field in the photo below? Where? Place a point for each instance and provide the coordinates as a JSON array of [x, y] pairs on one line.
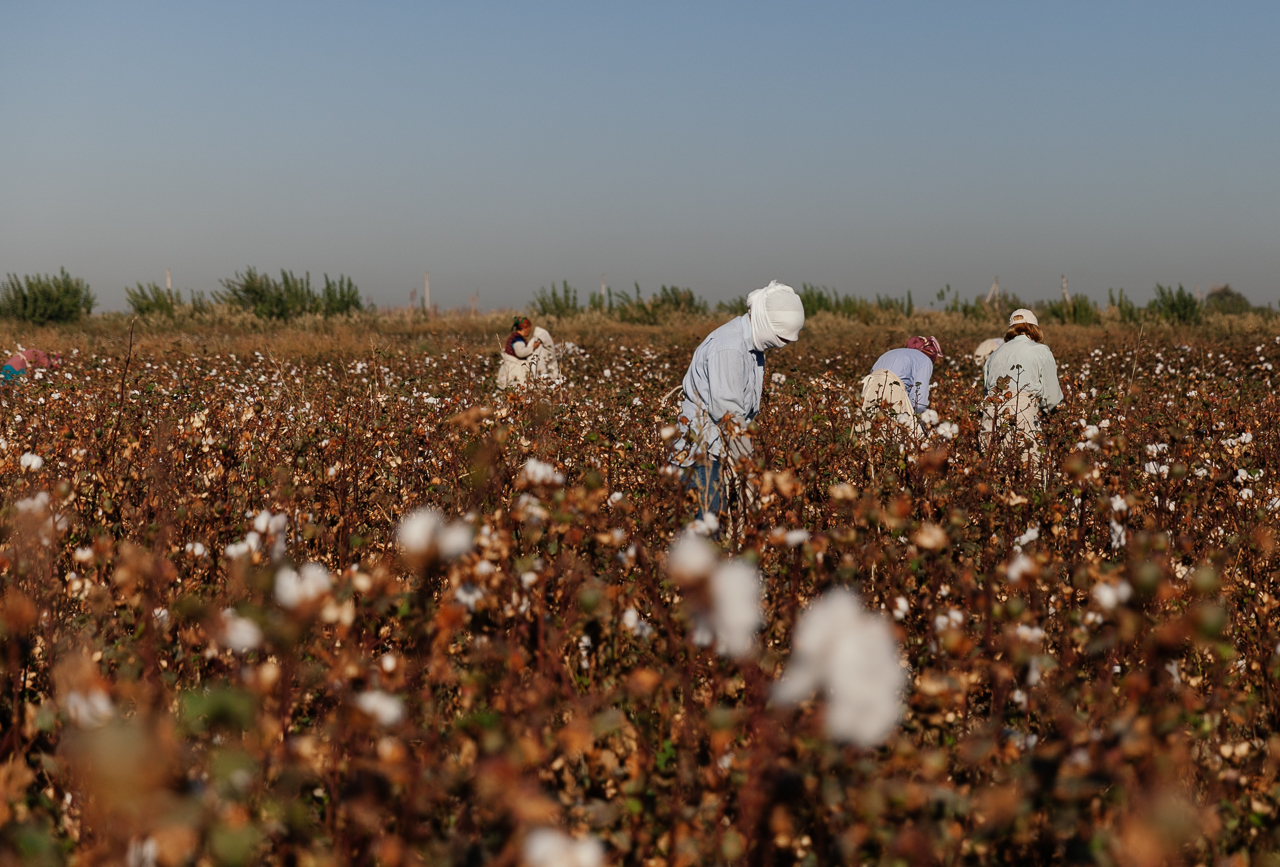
[[328, 599]]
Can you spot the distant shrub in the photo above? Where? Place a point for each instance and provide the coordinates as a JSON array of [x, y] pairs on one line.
[[1179, 307], [152, 300], [819, 299], [339, 296], [901, 306], [736, 306], [1224, 299], [1078, 311], [822, 299], [1129, 312], [289, 297], [670, 301], [561, 303], [43, 298], [998, 309]]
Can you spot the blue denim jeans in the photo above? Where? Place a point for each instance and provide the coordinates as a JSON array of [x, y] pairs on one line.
[[704, 478]]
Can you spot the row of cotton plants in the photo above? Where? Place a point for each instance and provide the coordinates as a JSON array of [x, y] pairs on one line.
[[344, 606]]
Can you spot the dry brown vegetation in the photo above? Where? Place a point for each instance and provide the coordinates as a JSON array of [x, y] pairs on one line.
[[167, 700]]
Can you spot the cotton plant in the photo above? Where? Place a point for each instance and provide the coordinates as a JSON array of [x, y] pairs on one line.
[[423, 537], [727, 595], [851, 656], [549, 847]]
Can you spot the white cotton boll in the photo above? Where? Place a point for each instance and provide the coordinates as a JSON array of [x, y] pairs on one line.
[[1033, 533], [1106, 596], [469, 594], [237, 549], [455, 540], [32, 504], [1021, 565], [707, 525], [239, 634], [1118, 535], [853, 657], [547, 847], [384, 708], [691, 557], [262, 521], [1246, 493], [528, 579], [278, 523], [253, 540], [1119, 504], [948, 430], [735, 616], [196, 549], [90, 710], [416, 535], [900, 608], [294, 588], [615, 497], [795, 538], [929, 417], [83, 555], [536, 472], [31, 462]]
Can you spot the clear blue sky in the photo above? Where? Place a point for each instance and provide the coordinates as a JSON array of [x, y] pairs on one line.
[[872, 148]]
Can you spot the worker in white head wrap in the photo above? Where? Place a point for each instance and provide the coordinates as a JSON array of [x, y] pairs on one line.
[[724, 384]]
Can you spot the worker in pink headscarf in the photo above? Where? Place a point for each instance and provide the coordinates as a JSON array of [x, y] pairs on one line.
[[20, 361], [900, 379]]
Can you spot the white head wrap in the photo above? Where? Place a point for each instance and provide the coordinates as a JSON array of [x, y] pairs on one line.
[[777, 315]]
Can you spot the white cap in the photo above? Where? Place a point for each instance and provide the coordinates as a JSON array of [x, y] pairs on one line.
[[1022, 314]]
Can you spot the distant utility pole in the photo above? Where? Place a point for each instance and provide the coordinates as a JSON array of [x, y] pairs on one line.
[[168, 282], [994, 293], [1065, 296], [426, 291]]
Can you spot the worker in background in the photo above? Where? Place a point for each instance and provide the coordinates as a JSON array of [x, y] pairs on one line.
[[25, 359], [900, 381], [722, 391], [1021, 380]]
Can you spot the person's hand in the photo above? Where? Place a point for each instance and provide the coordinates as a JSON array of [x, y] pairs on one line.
[[535, 344]]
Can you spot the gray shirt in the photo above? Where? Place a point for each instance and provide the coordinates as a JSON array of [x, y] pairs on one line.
[[726, 376], [1030, 366]]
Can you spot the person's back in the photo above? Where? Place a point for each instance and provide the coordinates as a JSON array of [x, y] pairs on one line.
[[914, 368], [1029, 366], [726, 375]]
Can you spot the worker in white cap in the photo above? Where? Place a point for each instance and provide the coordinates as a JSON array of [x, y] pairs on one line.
[[1021, 379], [723, 387]]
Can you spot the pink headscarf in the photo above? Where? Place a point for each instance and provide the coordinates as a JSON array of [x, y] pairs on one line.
[[928, 345]]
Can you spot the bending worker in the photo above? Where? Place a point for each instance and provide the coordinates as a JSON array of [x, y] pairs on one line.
[[20, 362], [900, 378], [1021, 379], [515, 353], [723, 387]]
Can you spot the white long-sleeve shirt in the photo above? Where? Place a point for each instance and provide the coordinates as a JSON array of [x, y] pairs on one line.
[[1030, 366], [725, 377]]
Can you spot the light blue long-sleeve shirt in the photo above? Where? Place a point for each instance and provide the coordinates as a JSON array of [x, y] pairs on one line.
[[1030, 366], [914, 368], [726, 376]]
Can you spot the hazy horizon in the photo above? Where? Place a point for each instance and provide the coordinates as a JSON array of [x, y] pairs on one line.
[[873, 150]]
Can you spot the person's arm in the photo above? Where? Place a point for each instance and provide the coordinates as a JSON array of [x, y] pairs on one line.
[[728, 372], [1051, 393], [923, 373], [521, 348]]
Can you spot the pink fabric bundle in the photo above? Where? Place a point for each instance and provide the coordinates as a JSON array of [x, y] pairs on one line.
[[928, 345]]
